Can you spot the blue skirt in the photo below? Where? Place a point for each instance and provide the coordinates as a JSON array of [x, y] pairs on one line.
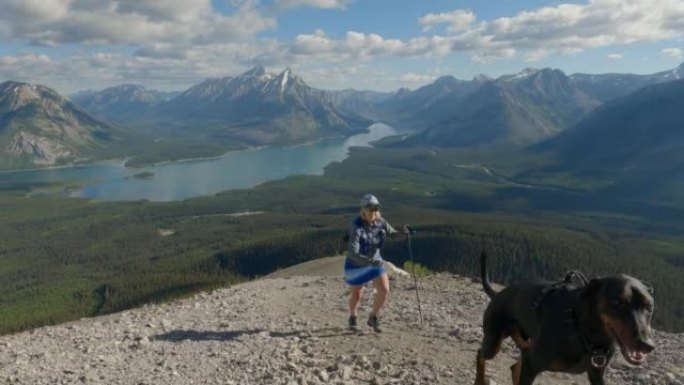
[[358, 275]]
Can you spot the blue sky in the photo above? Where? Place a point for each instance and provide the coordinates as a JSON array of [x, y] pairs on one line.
[[72, 45]]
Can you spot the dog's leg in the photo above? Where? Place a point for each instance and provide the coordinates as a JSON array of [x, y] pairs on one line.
[[519, 339], [481, 363], [490, 348], [527, 372], [515, 372], [595, 376]]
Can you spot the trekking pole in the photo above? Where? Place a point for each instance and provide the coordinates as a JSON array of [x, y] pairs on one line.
[[409, 231]]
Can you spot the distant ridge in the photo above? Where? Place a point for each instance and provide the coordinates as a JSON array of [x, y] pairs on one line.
[[123, 103], [605, 87], [512, 110], [636, 142]]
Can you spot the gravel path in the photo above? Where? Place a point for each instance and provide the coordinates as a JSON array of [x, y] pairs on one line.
[[290, 329]]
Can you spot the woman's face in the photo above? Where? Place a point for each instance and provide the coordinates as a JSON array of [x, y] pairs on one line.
[[371, 214]]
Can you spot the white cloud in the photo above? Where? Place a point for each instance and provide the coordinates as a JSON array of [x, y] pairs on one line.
[[31, 11], [30, 68], [458, 20], [492, 56], [167, 68], [575, 27], [54, 22], [25, 60], [328, 4], [614, 56], [176, 43], [536, 34], [358, 45], [675, 53]]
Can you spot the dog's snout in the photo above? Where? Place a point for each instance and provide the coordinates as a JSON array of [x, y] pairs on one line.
[[645, 345]]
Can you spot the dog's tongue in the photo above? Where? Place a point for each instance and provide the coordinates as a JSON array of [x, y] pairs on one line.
[[632, 352]]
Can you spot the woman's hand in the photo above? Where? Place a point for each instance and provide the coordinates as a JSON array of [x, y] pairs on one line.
[[378, 262]]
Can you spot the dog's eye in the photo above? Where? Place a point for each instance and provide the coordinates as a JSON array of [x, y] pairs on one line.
[[616, 304], [648, 307]]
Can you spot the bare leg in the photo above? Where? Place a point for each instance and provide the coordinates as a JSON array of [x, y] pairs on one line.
[[354, 299], [382, 291]]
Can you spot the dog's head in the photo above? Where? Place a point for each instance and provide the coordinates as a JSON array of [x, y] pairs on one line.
[[625, 305]]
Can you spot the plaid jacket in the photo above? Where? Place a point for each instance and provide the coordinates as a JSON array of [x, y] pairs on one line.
[[365, 240]]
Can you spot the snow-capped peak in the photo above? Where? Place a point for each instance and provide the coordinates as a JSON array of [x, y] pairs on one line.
[[285, 77]]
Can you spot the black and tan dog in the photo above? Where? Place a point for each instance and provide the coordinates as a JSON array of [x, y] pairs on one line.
[[566, 326]]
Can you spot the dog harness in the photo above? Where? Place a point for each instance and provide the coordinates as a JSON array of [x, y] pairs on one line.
[[599, 356]]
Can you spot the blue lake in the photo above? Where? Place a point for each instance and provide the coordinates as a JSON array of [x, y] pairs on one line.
[[191, 178]]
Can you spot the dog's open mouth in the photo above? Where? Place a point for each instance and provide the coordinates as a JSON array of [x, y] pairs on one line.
[[628, 348]]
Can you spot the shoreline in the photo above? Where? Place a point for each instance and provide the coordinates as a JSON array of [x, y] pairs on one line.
[[123, 161], [65, 166]]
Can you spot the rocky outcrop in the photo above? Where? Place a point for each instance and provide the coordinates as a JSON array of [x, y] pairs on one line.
[[40, 127], [42, 150], [291, 331]]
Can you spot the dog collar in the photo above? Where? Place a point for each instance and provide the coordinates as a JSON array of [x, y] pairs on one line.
[[599, 356]]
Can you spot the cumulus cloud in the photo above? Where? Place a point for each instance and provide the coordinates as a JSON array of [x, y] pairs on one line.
[[569, 28], [614, 56], [535, 34], [33, 11], [359, 45], [161, 66], [25, 60], [30, 68], [177, 42], [492, 56], [675, 53], [53, 22], [458, 20]]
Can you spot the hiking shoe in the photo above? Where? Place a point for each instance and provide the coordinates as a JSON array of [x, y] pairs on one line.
[[352, 323], [374, 323]]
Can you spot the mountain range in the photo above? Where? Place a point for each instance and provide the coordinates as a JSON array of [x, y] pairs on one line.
[[518, 109], [636, 142], [122, 104], [610, 86], [513, 111], [261, 108]]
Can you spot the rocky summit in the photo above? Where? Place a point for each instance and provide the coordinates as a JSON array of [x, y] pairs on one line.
[[290, 328]]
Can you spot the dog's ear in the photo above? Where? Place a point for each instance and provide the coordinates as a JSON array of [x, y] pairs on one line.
[[592, 288], [649, 287]]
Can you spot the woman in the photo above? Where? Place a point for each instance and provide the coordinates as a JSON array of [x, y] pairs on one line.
[[364, 262]]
